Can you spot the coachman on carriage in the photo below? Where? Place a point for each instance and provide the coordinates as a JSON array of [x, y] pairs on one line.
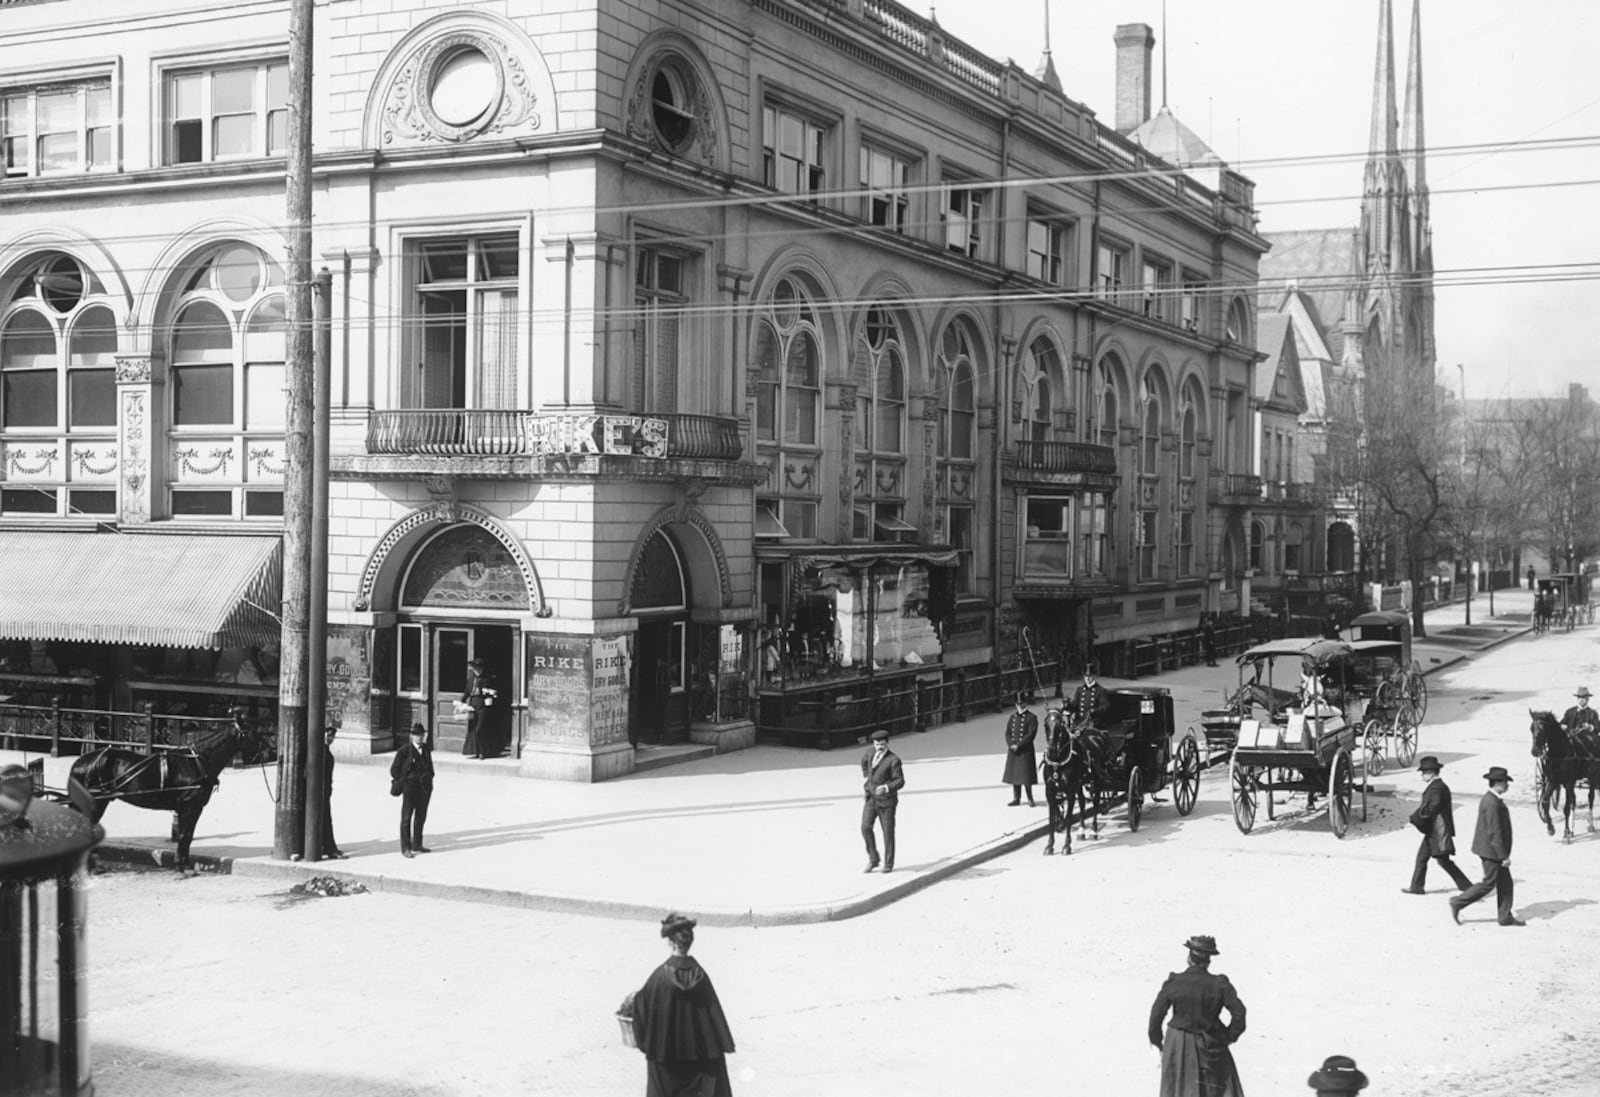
[[1121, 747]]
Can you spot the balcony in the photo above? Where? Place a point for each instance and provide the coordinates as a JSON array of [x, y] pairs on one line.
[[505, 443], [1067, 463], [1291, 494], [1234, 489]]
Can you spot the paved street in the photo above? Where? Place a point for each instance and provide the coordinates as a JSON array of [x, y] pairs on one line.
[[1017, 973]]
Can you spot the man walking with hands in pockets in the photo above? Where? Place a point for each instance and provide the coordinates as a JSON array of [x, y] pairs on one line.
[[882, 780], [1492, 843]]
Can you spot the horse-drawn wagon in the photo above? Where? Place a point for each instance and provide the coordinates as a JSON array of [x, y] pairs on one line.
[[1304, 747], [1126, 750]]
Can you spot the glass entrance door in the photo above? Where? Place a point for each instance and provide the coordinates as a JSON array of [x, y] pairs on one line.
[[452, 648]]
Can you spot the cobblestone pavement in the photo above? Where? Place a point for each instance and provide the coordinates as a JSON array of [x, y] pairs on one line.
[[1019, 975]]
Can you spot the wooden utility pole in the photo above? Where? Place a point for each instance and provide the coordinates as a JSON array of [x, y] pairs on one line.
[[289, 821], [317, 649]]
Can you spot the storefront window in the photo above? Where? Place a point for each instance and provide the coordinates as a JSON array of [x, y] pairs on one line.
[[1047, 544], [844, 620]]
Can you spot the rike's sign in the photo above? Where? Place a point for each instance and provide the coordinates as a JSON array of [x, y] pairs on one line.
[[630, 435]]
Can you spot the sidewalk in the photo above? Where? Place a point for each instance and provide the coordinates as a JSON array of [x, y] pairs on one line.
[[764, 836]]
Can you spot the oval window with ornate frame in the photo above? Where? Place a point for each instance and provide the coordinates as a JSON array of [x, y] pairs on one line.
[[461, 85], [674, 103]]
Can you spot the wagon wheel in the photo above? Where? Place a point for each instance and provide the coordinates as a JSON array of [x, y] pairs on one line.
[[1372, 746], [1242, 779], [1405, 737], [1135, 797], [1340, 792], [1186, 776], [1383, 696]]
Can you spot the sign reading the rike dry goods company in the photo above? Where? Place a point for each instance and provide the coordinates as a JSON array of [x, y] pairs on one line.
[[578, 687], [628, 435]]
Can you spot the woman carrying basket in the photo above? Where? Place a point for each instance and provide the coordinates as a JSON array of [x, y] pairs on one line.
[[678, 1022]]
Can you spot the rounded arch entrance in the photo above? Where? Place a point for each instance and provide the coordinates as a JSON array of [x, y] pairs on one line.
[[452, 587], [676, 589]]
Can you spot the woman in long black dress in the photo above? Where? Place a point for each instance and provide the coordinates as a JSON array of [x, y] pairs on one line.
[[1195, 1060], [679, 1025]]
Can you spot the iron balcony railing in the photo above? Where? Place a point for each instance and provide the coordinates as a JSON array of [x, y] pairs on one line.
[[1235, 487], [485, 432], [1066, 457]]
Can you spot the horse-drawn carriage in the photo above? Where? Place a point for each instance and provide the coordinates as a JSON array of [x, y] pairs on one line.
[[1304, 747], [1560, 600], [1125, 750], [1380, 697]]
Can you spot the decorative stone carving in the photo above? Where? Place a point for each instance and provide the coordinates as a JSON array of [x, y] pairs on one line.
[[449, 513], [683, 514], [133, 503], [701, 142], [133, 370], [493, 96]]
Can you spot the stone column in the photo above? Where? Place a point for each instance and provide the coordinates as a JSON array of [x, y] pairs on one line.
[[139, 465], [842, 398], [577, 694]]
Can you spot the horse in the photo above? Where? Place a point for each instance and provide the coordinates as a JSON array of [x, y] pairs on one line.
[[179, 781], [1564, 760], [1076, 769], [1544, 609]]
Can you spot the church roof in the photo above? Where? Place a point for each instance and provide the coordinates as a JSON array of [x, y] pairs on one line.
[[1173, 141], [1319, 265], [1275, 339]]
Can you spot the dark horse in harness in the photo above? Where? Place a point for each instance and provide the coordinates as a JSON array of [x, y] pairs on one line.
[[1076, 760], [179, 781], [1564, 760]]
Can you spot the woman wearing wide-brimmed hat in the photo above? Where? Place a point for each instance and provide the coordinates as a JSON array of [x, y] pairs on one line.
[[1195, 1060], [679, 1025]]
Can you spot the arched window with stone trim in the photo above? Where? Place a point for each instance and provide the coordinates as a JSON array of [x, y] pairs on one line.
[[955, 372], [1042, 382], [58, 342], [225, 347], [880, 430], [789, 369]]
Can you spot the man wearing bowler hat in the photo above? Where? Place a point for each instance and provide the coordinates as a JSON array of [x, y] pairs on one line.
[[1580, 716], [881, 782], [1436, 819], [1492, 842]]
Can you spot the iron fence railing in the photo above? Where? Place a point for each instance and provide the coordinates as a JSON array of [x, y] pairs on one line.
[[489, 432], [58, 730]]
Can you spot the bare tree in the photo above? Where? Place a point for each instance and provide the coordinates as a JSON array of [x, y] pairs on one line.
[[1557, 443]]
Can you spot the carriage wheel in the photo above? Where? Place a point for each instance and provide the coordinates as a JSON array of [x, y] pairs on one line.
[[1135, 797], [1405, 737], [1383, 696], [1419, 697], [1186, 776], [1340, 792], [1242, 779], [1372, 747]]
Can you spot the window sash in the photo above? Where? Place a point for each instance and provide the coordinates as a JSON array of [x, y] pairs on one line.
[[227, 112], [886, 181], [1044, 251], [792, 152], [56, 129]]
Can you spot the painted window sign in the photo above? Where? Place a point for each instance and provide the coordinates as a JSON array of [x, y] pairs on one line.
[[632, 435]]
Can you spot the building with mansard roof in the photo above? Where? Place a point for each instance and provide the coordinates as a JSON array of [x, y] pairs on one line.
[[705, 370]]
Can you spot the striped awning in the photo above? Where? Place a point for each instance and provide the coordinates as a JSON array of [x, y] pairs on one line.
[[165, 590]]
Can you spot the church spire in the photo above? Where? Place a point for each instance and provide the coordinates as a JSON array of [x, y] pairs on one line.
[[1046, 72], [1412, 144], [1383, 112]]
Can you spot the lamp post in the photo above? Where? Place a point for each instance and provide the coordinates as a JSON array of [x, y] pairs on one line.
[[1463, 371]]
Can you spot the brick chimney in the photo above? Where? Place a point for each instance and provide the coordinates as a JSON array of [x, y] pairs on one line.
[[1135, 43]]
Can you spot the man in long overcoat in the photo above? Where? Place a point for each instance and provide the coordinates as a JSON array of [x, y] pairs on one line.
[[1492, 843], [1089, 701], [1022, 762], [882, 778], [1436, 819]]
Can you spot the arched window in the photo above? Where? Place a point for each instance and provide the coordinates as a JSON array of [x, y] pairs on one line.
[[1039, 375], [880, 429], [957, 407], [1258, 541], [788, 359], [1186, 444], [1150, 437], [1106, 420], [1238, 329], [58, 343], [226, 351]]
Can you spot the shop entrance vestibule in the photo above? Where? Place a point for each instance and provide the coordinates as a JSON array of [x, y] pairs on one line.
[[453, 647]]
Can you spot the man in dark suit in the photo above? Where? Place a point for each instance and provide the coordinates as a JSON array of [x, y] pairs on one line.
[[881, 782], [1492, 842], [1436, 819], [1089, 701], [1022, 762], [411, 778], [330, 848]]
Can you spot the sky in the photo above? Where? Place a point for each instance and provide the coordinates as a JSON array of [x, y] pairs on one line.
[[1265, 81]]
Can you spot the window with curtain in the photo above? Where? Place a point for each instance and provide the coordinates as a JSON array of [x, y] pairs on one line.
[[1150, 438], [661, 301], [463, 320], [1186, 444]]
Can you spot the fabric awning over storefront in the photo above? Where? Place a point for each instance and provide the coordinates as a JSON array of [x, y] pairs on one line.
[[182, 591]]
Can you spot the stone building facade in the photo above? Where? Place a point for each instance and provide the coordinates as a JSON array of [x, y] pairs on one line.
[[702, 368]]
